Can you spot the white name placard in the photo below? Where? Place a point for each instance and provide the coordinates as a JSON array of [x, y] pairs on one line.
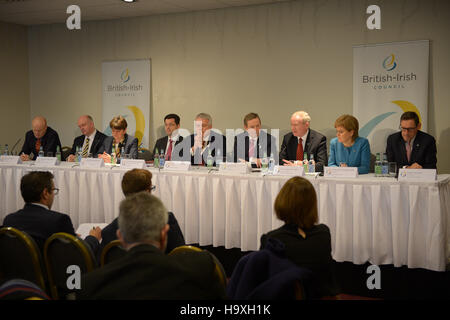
[[417, 175], [10, 159], [231, 167], [289, 171], [92, 163], [177, 165], [46, 161], [132, 163], [341, 172]]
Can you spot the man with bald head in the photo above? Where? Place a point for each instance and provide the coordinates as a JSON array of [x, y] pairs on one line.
[[39, 135], [302, 139], [90, 140]]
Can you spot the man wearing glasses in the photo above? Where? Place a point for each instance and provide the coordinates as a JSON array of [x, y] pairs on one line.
[[36, 218], [411, 148]]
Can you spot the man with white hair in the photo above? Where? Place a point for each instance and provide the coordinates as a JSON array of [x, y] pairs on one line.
[[303, 140]]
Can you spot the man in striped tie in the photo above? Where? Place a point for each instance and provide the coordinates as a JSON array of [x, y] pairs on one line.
[[90, 140]]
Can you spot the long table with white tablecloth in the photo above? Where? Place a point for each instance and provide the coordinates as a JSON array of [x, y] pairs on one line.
[[380, 220]]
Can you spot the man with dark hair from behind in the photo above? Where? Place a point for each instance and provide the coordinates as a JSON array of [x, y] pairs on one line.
[[145, 272], [38, 191], [137, 180], [411, 148]]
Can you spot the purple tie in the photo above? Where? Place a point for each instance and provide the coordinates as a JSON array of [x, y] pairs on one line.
[[408, 150], [251, 150]]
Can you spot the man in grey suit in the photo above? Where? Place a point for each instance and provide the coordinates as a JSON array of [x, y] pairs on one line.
[[303, 140], [121, 141]]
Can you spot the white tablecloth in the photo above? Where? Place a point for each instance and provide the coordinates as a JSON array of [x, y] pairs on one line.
[[371, 219]]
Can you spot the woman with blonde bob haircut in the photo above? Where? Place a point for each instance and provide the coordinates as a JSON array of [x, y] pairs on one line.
[[348, 149], [307, 243]]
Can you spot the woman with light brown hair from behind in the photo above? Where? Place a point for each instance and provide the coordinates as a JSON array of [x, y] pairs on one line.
[[308, 244]]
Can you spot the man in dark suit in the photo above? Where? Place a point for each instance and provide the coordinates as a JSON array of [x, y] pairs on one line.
[[204, 141], [38, 191], [137, 180], [40, 136], [145, 272], [90, 140], [167, 143], [303, 139], [411, 148], [254, 143]]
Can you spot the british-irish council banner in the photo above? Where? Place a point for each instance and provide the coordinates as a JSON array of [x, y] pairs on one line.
[[389, 79]]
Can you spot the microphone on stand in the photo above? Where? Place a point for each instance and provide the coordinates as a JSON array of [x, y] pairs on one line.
[[15, 145]]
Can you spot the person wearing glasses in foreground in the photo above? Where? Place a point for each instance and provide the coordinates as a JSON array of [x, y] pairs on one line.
[[348, 149], [411, 148], [37, 219]]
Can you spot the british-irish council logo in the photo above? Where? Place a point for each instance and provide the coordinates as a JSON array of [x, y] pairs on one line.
[[389, 63], [125, 76]]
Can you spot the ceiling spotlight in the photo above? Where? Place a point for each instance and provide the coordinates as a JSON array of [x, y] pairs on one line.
[[129, 1]]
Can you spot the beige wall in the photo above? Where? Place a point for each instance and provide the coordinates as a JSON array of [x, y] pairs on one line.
[[269, 59], [14, 84]]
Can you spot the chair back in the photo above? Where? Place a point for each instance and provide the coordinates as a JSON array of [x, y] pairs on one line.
[[61, 251], [20, 289], [112, 251], [20, 257], [65, 152], [219, 270], [145, 154]]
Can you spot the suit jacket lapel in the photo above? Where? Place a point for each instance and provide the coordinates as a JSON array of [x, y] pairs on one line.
[[401, 145], [416, 147]]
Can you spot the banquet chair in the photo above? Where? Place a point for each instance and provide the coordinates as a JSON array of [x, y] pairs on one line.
[[145, 154], [20, 289], [219, 269], [65, 151], [112, 251], [62, 250], [20, 257]]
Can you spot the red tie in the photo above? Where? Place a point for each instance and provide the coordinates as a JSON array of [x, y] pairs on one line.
[[38, 145], [169, 151], [300, 150]]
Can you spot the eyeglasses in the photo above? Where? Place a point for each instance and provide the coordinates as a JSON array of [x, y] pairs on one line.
[[56, 190], [407, 129]]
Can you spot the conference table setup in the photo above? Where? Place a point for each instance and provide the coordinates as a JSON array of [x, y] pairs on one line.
[[376, 219]]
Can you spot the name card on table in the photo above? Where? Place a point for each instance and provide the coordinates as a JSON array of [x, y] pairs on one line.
[[46, 161], [92, 163], [417, 175], [289, 171], [10, 159], [132, 163], [231, 167], [341, 172], [177, 165]]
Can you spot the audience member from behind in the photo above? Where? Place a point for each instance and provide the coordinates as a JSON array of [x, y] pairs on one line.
[[308, 244], [39, 136], [411, 148], [348, 149], [38, 191], [145, 272], [137, 180]]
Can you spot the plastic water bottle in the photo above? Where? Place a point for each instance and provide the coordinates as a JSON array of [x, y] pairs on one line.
[[209, 160], [271, 163], [113, 155], [41, 151], [162, 159], [385, 166], [378, 166], [264, 163], [5, 151], [311, 164], [79, 154], [219, 158], [58, 153], [305, 162], [156, 159]]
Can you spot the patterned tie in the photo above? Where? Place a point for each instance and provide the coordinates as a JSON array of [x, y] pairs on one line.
[[408, 150], [251, 150], [300, 150], [38, 145], [169, 151], [86, 148]]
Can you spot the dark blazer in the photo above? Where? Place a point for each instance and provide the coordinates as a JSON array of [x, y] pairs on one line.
[[41, 223], [216, 142], [175, 237], [130, 145], [266, 143], [49, 142], [316, 144], [145, 272], [161, 144], [96, 144], [312, 252], [423, 152]]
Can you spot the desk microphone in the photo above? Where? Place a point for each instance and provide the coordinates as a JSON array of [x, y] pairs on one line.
[[15, 145]]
